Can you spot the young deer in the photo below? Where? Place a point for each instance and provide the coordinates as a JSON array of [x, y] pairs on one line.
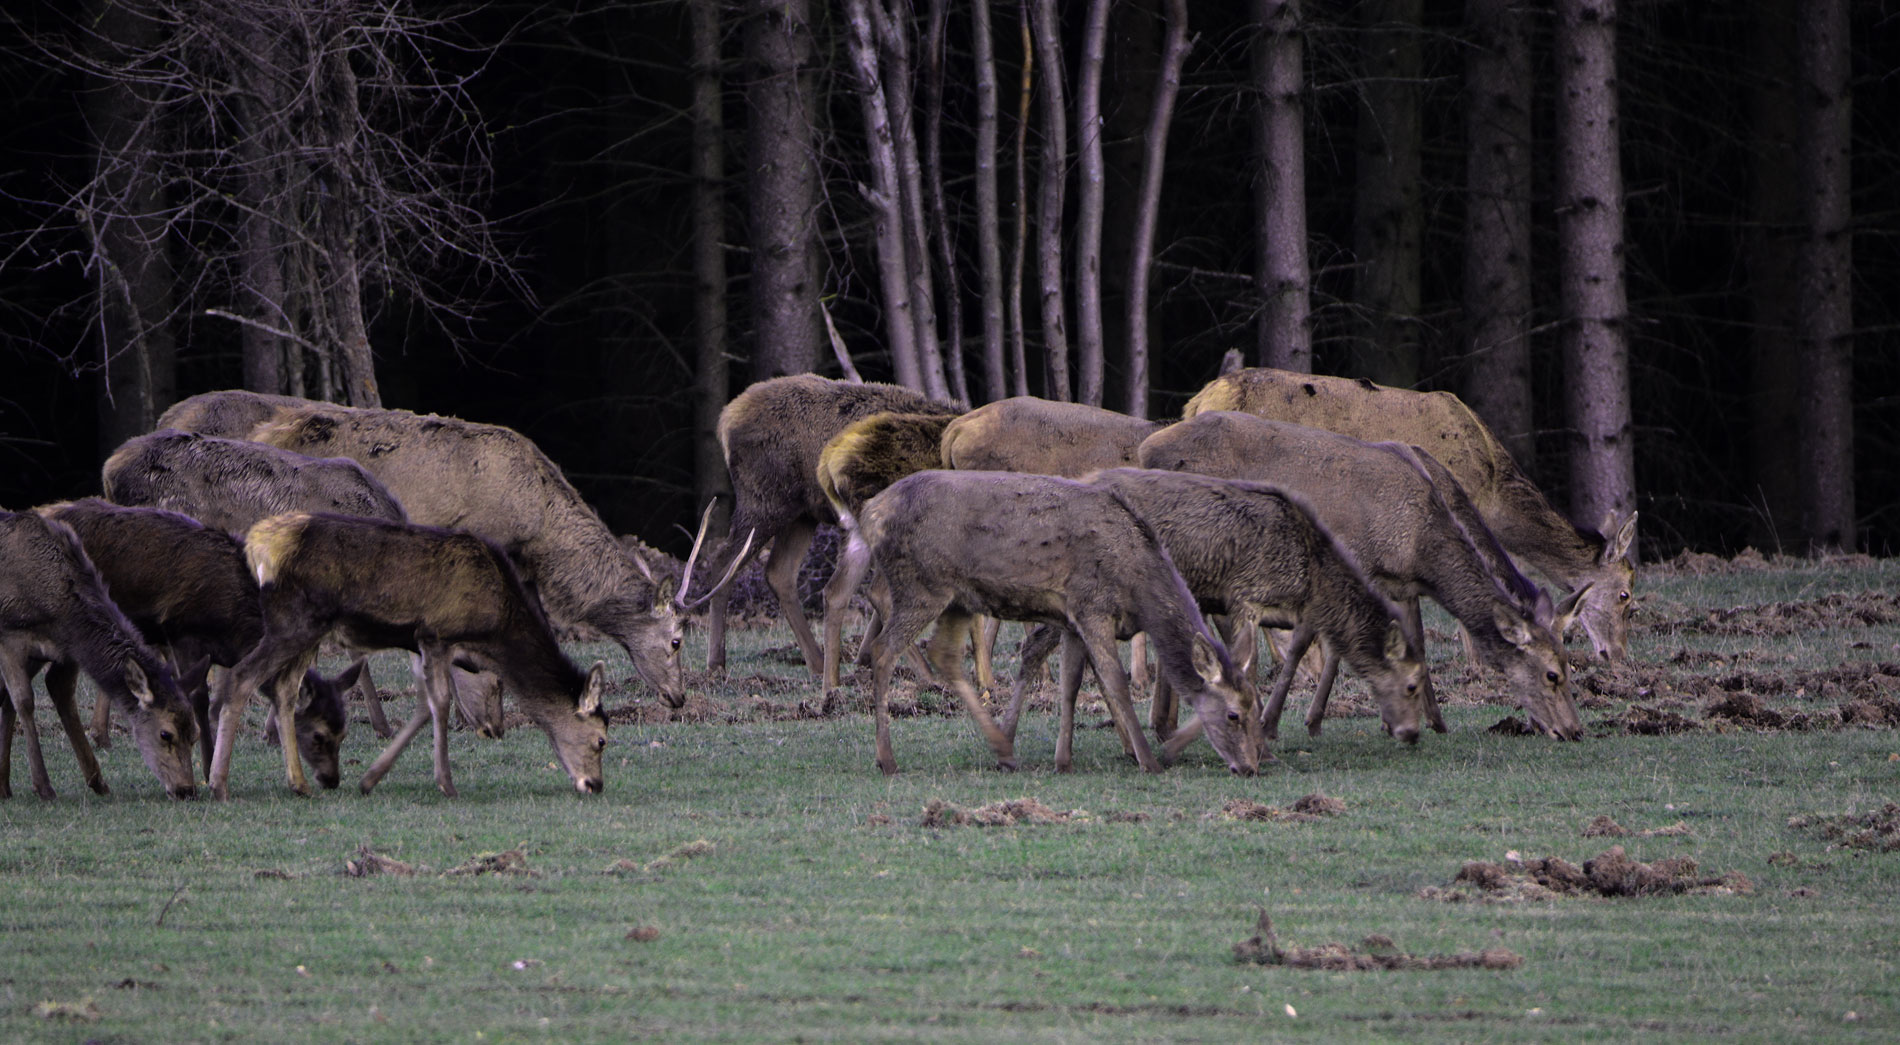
[[1037, 548], [54, 610], [447, 595]]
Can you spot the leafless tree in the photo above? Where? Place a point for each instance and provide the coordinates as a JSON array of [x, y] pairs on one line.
[[782, 192], [1594, 309], [1088, 223], [709, 253], [1051, 176], [936, 20], [1497, 292], [1282, 278], [1388, 223], [989, 228], [1174, 51], [281, 165]]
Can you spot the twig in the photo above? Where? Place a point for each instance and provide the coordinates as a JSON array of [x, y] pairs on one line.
[[163, 911]]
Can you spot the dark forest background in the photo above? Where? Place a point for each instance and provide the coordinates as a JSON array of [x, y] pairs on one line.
[[589, 346]]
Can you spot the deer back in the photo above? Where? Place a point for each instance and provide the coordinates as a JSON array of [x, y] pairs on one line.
[[1027, 434], [230, 412], [229, 484], [872, 453]]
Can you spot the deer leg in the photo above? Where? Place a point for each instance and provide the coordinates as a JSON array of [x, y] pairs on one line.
[[380, 768], [284, 692], [853, 564], [441, 693], [1073, 657], [1099, 640], [101, 721], [264, 664], [61, 680], [7, 723], [478, 701], [781, 575], [1327, 676], [1302, 637], [1432, 713], [365, 689], [901, 625], [946, 658], [983, 653], [1030, 656], [21, 683]]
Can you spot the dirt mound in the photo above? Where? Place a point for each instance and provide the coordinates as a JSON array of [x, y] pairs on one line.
[[1604, 827], [369, 862], [1306, 810], [512, 861], [1376, 954], [938, 813], [1835, 610], [1878, 831], [1610, 873]]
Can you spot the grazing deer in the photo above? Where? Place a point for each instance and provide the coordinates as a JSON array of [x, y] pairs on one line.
[[857, 464], [186, 588], [1259, 555], [229, 484], [1037, 548], [1440, 423], [54, 610], [445, 594], [1045, 437], [1416, 534], [771, 435], [229, 413], [495, 483]]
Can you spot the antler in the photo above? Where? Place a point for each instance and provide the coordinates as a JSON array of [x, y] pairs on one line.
[[680, 600]]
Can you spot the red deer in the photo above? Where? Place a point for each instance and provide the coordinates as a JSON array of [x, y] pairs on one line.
[[186, 588], [229, 484], [856, 465], [1413, 533], [1037, 548], [445, 594], [771, 435], [230, 413], [495, 483], [54, 611], [1446, 428], [1045, 437], [1259, 555]]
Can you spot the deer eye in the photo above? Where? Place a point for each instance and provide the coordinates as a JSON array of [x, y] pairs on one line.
[[676, 645], [601, 744], [1622, 596], [165, 736], [1550, 676]]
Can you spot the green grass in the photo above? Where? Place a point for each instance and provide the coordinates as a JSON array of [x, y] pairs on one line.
[[827, 912]]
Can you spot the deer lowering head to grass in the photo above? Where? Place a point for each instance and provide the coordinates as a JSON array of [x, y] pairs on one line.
[[448, 595], [1594, 562], [772, 434], [1037, 548], [54, 610], [1412, 533], [229, 484], [187, 590]]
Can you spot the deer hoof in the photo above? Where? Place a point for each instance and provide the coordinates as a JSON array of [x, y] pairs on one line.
[[1007, 765], [102, 741]]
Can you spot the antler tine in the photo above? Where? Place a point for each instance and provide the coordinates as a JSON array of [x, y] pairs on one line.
[[686, 582], [737, 561]]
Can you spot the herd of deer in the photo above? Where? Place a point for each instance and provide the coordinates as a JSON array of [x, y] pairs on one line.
[[249, 529]]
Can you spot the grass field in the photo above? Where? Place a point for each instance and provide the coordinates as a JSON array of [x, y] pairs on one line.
[[749, 876]]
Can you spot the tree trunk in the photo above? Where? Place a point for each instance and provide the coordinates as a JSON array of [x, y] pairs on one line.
[[893, 29], [132, 274], [885, 196], [1135, 31], [989, 227], [1282, 280], [782, 201], [1773, 289], [709, 261], [1141, 252], [1497, 292], [1019, 244], [936, 18], [1388, 221], [340, 210], [1055, 153], [1594, 313], [1088, 222], [1824, 265]]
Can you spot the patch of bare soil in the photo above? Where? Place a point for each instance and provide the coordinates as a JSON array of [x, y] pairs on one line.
[[938, 813], [1604, 827], [1748, 560], [1878, 831], [1611, 873], [512, 861], [1375, 953], [1839, 609], [369, 862], [1307, 809], [692, 850]]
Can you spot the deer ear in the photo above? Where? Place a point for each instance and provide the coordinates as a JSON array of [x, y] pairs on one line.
[[140, 686], [663, 592], [1617, 540], [1569, 609], [1206, 660], [1515, 629], [590, 697], [1395, 645], [349, 675]]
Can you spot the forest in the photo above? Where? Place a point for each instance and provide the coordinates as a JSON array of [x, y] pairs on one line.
[[1652, 242]]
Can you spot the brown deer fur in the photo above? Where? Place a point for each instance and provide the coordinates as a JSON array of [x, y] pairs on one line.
[[1400, 526], [1044, 437], [186, 588], [856, 465], [771, 435], [54, 610], [447, 595], [230, 413], [1259, 554], [1439, 422], [1037, 548]]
